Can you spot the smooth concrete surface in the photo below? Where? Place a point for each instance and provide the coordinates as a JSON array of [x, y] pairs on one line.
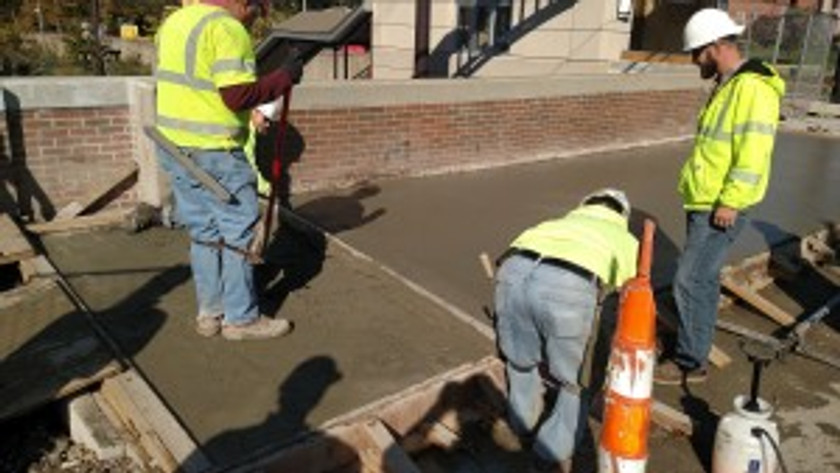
[[433, 229], [360, 335]]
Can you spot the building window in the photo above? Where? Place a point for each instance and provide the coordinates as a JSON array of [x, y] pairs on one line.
[[484, 23]]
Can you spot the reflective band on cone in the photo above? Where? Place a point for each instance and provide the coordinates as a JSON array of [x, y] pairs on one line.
[[631, 372], [611, 464]]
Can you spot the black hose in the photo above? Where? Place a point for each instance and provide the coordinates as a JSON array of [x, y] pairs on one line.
[[757, 432]]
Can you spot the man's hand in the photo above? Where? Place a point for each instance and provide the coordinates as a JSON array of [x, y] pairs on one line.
[[259, 121], [724, 217]]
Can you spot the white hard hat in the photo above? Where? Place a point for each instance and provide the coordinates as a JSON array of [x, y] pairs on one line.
[[707, 26], [613, 194]]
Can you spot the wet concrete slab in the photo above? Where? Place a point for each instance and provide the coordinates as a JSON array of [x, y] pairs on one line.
[[360, 335], [432, 229]]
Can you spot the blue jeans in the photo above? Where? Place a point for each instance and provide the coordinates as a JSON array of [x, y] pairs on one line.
[[224, 280], [543, 309], [697, 285]]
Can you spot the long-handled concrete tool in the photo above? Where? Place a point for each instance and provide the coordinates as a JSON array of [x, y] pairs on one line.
[[264, 227]]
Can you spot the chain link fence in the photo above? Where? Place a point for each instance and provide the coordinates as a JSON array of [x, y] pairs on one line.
[[800, 45]]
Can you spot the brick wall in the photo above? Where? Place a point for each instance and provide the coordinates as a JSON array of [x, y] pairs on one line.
[[340, 134], [56, 156], [342, 146]]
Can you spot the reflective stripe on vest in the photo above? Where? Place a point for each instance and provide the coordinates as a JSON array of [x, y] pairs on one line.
[[188, 78]]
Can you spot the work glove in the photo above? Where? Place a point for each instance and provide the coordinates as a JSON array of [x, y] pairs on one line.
[[293, 65]]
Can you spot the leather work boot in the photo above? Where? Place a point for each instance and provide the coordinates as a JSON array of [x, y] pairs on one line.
[[208, 326], [261, 328]]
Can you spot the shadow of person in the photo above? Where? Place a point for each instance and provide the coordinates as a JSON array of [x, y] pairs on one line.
[[14, 170], [277, 441], [297, 250], [295, 255], [705, 423], [67, 354], [336, 213]]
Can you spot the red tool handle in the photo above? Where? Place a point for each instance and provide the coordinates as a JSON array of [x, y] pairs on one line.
[[646, 250], [277, 165]]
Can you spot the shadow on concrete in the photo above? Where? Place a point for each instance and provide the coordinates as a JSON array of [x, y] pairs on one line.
[[66, 355], [337, 213], [705, 423], [297, 396], [14, 173], [297, 249], [294, 257]]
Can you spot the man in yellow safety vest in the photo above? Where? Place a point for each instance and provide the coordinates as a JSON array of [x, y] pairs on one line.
[[206, 89], [546, 297], [726, 173]]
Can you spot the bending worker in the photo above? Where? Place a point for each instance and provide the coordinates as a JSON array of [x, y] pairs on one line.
[[206, 88], [726, 173], [546, 300]]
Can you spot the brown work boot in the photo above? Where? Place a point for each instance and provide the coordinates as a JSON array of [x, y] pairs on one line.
[[261, 328], [208, 325], [668, 373]]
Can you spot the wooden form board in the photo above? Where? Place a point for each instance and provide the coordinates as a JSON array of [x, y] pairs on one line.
[[152, 425], [756, 300], [13, 245], [104, 218], [379, 437]]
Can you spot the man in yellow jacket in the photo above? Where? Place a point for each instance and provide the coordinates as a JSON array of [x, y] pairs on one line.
[[726, 174], [546, 297], [206, 89]]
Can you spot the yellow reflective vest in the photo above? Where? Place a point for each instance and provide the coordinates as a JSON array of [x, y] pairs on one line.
[[730, 162], [592, 237], [200, 49]]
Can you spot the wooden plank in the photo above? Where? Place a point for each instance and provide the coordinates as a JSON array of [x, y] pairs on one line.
[[105, 218], [156, 429], [13, 245], [101, 195], [46, 369], [392, 457], [671, 419], [757, 301], [656, 56]]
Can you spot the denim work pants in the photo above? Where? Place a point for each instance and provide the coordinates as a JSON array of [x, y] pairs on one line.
[[697, 285], [543, 309], [224, 280]]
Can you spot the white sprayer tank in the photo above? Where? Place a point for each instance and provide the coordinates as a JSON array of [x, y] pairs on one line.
[[737, 450]]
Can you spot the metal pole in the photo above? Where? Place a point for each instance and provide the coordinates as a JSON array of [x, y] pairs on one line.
[[779, 36], [98, 60]]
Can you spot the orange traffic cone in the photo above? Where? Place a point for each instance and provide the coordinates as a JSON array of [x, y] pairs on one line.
[[623, 443]]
